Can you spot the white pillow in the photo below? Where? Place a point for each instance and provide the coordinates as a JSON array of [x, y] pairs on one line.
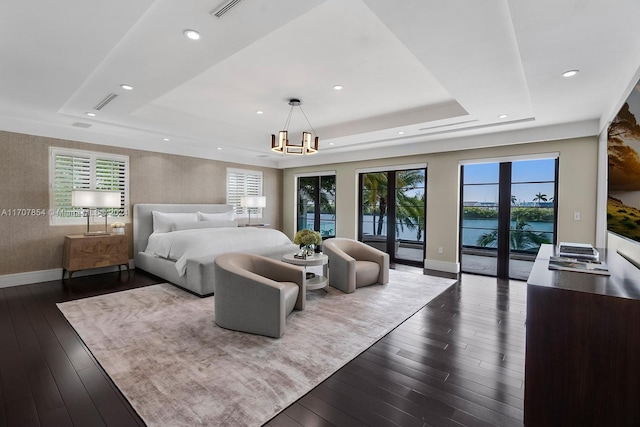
[[221, 216], [177, 226], [162, 220]]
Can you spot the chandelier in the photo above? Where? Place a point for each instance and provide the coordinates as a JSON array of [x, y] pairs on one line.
[[281, 143]]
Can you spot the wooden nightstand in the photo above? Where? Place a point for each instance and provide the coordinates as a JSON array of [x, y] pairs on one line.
[[84, 252]]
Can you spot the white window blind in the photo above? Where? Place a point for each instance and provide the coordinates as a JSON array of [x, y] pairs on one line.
[[241, 183], [85, 170]]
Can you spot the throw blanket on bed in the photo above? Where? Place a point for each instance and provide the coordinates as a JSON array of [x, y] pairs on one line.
[[184, 244]]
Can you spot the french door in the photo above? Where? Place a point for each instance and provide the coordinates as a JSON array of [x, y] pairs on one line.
[[316, 204], [392, 213], [508, 210]]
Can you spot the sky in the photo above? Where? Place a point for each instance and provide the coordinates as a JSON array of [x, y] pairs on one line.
[[541, 172]]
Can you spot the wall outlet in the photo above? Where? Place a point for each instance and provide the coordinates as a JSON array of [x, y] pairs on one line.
[[576, 216], [440, 250]]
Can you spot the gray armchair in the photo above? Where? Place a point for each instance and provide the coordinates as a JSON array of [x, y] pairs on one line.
[[255, 294], [353, 264]]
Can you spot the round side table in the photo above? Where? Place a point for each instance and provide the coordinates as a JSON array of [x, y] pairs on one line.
[[317, 282]]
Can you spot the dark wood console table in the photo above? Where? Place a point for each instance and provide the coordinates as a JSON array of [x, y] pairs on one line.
[[582, 365]]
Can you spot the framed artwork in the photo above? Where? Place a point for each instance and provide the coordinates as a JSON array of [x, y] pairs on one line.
[[623, 146]]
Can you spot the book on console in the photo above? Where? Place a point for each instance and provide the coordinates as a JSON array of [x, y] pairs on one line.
[[578, 265], [578, 250]]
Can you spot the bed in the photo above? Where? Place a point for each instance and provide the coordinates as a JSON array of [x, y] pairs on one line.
[[178, 242]]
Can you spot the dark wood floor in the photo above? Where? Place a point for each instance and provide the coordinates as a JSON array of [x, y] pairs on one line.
[[458, 361]]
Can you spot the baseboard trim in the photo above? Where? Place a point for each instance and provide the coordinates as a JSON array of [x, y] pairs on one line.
[[447, 267], [38, 276]]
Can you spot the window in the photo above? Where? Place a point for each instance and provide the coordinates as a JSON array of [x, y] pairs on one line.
[[241, 183], [85, 170]]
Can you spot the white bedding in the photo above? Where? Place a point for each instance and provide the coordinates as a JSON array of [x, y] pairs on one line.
[[184, 244]]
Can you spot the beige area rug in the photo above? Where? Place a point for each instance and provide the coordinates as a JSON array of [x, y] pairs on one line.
[[162, 348]]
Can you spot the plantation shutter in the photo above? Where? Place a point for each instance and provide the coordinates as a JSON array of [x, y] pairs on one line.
[[111, 175], [85, 170], [243, 183], [70, 172]]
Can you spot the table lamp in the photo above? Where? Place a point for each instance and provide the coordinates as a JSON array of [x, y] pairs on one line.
[[95, 199], [251, 202]]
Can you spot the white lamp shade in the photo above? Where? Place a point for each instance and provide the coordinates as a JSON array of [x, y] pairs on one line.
[[95, 199], [253, 201]]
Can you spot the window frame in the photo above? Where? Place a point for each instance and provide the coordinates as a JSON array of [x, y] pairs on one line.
[[244, 190], [90, 180]]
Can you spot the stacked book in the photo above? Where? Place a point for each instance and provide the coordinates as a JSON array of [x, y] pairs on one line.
[[578, 257], [578, 250]]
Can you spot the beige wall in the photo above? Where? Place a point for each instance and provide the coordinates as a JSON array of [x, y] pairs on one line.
[[30, 244], [576, 192]]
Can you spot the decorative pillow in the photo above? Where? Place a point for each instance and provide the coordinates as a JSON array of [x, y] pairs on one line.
[[177, 226], [221, 216], [162, 220]]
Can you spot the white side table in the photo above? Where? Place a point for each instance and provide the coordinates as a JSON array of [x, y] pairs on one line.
[[318, 282]]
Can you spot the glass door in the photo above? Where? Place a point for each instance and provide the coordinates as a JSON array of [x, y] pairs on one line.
[[392, 213], [409, 218], [508, 211], [316, 205], [479, 219], [533, 212]]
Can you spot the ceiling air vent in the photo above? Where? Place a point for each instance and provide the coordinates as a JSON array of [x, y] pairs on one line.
[[81, 125], [224, 8], [107, 99]]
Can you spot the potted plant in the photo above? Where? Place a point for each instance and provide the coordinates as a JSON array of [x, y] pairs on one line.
[[307, 239], [117, 227]]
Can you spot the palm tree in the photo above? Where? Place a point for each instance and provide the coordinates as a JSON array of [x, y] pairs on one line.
[[521, 238], [410, 209], [306, 197], [375, 198], [540, 198], [514, 199]]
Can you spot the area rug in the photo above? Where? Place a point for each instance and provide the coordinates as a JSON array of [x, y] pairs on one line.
[[162, 348]]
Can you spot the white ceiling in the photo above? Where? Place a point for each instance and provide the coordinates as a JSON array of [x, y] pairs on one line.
[[439, 71]]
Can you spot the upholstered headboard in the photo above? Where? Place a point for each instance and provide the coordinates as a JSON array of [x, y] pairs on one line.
[[143, 219]]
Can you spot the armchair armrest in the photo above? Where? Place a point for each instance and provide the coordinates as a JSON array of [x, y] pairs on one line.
[[282, 272]]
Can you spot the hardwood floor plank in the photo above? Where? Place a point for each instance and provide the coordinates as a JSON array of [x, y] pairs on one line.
[[328, 412], [349, 404], [375, 400], [81, 408], [283, 420], [106, 400], [401, 365], [389, 390], [304, 417], [433, 388], [22, 413]]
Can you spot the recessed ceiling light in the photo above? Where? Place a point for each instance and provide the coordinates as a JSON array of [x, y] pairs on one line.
[[338, 87], [166, 139], [401, 133], [192, 34], [126, 87], [503, 116], [259, 112], [570, 73], [91, 114], [219, 148], [331, 143]]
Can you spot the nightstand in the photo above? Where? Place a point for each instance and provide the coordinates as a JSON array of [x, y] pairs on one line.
[[83, 252]]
